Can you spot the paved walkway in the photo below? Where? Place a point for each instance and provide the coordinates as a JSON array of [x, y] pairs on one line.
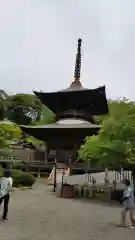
[[38, 215]]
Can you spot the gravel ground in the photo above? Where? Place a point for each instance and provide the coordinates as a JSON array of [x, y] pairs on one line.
[[37, 214]]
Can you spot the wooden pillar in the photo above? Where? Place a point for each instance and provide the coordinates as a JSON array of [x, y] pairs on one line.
[[108, 189], [62, 180], [46, 153], [55, 172], [106, 175], [27, 169], [70, 166], [38, 173]]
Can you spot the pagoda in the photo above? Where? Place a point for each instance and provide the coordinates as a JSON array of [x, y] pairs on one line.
[[75, 108]]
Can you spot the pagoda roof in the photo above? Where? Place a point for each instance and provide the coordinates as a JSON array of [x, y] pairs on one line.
[[56, 131], [76, 97], [75, 86], [62, 126], [88, 100]]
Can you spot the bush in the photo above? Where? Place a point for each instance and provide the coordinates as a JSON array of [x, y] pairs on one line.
[[5, 163], [18, 166], [15, 173], [1, 171], [21, 178]]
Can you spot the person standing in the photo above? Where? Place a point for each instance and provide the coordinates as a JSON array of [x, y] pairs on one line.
[[128, 204], [6, 183]]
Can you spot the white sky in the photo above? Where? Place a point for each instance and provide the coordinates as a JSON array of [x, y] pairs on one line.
[[38, 44]]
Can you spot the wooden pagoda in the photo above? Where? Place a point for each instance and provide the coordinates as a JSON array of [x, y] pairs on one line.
[[75, 108]]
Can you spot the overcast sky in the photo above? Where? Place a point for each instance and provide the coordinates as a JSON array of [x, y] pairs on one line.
[[38, 44]]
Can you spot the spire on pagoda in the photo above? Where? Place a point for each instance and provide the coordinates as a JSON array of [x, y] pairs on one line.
[[78, 62], [76, 82]]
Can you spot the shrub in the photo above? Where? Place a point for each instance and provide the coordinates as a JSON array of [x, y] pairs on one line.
[[21, 178], [5, 163], [15, 173], [1, 171], [18, 166]]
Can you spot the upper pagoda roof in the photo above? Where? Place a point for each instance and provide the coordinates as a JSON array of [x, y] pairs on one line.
[[88, 100], [76, 97]]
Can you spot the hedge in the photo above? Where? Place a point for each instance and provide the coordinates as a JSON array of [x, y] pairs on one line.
[[1, 171], [5, 163], [18, 166], [20, 178]]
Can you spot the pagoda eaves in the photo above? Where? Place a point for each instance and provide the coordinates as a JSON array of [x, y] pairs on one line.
[[88, 100], [62, 132]]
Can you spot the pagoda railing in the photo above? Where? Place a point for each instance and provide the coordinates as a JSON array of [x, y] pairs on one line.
[[71, 113]]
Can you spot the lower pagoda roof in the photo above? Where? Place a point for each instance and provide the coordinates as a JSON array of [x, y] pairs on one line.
[[60, 126], [57, 131]]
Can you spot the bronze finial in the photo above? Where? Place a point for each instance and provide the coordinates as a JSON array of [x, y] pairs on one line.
[[78, 62], [76, 84]]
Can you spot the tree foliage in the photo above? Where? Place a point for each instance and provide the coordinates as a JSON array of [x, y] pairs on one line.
[[2, 138], [23, 108], [115, 144], [46, 117], [36, 142], [8, 132], [3, 108], [12, 131]]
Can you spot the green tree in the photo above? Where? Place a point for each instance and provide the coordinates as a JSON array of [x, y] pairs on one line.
[[23, 108], [2, 137], [2, 109], [11, 131], [115, 144], [23, 100], [46, 117], [27, 109], [37, 143]]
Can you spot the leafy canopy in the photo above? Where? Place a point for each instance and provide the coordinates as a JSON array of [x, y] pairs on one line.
[[115, 144], [25, 109]]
